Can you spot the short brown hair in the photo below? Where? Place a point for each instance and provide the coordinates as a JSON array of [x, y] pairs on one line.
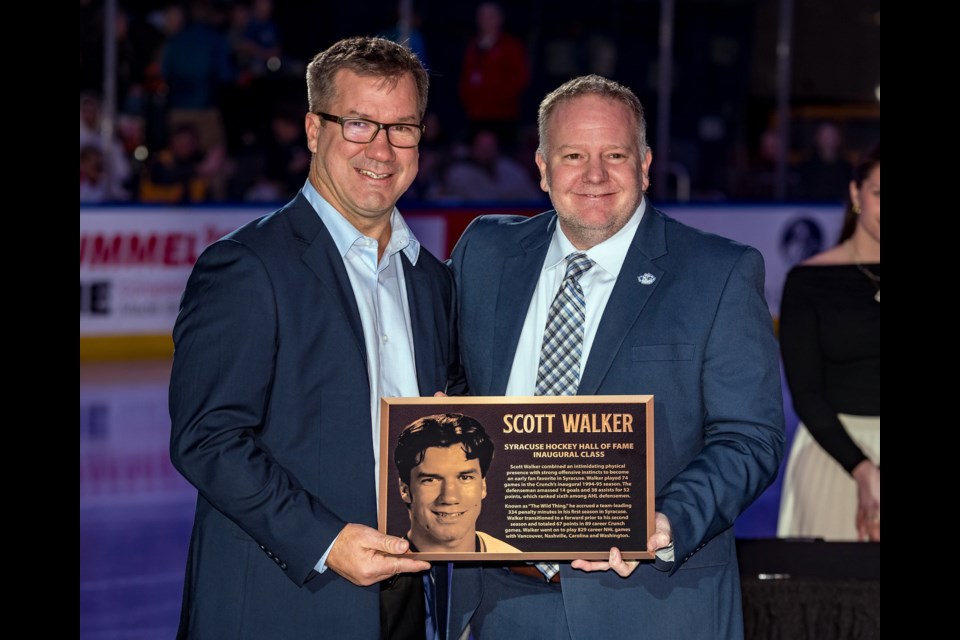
[[597, 86], [442, 430], [365, 56]]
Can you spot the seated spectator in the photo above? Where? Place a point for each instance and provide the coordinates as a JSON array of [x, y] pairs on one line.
[[487, 175], [91, 122], [181, 173], [435, 156], [93, 183], [287, 157], [825, 174]]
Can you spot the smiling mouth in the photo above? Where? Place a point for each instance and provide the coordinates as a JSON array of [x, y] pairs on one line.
[[448, 515], [375, 176]]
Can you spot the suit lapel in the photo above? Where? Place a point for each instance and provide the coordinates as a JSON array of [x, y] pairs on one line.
[[518, 281], [422, 303], [322, 257], [639, 278]]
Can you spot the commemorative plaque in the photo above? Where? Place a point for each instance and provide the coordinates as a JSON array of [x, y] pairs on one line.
[[518, 478]]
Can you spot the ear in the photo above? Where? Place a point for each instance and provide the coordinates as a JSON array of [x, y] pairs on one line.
[[645, 171], [855, 196], [311, 124], [483, 488], [542, 166], [405, 492]]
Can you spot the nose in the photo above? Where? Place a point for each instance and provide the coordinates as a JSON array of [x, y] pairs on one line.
[[449, 493], [595, 170], [380, 148]]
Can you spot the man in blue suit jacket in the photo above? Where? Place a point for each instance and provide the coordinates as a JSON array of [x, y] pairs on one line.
[[291, 328], [669, 311]]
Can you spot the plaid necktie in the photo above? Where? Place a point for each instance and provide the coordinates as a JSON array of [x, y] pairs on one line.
[[559, 371]]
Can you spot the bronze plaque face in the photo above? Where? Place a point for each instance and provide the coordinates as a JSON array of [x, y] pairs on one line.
[[518, 478]]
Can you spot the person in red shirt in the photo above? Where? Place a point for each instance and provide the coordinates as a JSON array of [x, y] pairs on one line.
[[495, 73]]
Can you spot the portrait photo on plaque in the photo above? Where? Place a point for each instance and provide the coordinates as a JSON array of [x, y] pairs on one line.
[[518, 478]]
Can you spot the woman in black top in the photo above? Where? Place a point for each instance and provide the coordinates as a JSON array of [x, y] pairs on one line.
[[830, 339]]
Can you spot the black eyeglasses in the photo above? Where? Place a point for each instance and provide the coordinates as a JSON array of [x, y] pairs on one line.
[[362, 131]]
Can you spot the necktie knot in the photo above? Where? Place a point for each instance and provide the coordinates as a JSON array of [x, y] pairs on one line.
[[577, 265]]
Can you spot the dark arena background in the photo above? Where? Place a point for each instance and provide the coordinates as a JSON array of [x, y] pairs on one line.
[[756, 111]]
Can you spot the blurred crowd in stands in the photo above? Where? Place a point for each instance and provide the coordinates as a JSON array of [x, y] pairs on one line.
[[210, 109]]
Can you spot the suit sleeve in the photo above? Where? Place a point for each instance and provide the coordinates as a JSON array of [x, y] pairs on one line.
[[743, 417], [225, 347]]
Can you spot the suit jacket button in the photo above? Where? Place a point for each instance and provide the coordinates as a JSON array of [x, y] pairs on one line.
[[283, 565]]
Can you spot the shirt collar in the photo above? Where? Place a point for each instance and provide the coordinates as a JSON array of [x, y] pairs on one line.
[[345, 235], [609, 254]]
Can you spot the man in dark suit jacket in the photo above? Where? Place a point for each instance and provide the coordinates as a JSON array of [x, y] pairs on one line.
[[290, 330], [669, 311]]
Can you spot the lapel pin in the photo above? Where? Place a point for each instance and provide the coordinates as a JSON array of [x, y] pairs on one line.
[[647, 278]]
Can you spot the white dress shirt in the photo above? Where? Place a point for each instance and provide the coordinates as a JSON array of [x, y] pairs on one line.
[[597, 285], [381, 293]]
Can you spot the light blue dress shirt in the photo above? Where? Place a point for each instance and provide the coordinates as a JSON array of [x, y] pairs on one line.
[[381, 293], [597, 285]]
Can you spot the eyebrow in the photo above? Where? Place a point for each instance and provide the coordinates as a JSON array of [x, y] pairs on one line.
[[462, 472], [615, 147], [353, 113]]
